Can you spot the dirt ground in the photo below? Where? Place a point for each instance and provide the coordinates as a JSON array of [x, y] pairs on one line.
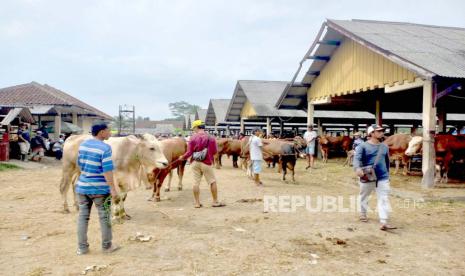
[[239, 239]]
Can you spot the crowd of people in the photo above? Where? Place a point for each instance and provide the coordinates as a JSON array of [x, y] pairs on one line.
[[34, 148]]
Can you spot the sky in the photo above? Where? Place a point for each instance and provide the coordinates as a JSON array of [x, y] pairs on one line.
[[150, 53]]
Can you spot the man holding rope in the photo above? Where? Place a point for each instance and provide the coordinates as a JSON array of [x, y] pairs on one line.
[[95, 184]]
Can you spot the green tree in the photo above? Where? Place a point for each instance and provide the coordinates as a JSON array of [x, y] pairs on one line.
[[182, 108]]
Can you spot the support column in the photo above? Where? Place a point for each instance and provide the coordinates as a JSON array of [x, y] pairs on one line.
[[320, 127], [442, 120], [268, 126], [310, 114], [242, 129], [57, 125], [429, 129], [281, 128], [75, 119], [392, 129], [378, 113]]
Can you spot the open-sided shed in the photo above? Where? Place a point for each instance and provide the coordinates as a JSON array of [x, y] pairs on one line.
[[381, 67], [254, 101]]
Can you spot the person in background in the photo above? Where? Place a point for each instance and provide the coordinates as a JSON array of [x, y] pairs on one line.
[[94, 186], [44, 131], [310, 137], [357, 140], [24, 142], [58, 147], [38, 147], [373, 153], [201, 163], [256, 155]]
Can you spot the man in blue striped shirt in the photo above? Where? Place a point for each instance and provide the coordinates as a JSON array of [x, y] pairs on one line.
[[94, 186]]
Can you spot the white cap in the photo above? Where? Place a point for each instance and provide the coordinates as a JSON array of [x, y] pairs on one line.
[[373, 128]]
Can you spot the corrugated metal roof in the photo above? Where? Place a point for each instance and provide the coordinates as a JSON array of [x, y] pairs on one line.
[[263, 96], [201, 114], [436, 49], [425, 50], [216, 112]]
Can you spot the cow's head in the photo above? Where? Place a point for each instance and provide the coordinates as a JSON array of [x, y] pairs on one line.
[[150, 153], [300, 143], [414, 146]]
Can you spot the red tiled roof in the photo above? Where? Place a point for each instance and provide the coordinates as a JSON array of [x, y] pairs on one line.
[[37, 94]]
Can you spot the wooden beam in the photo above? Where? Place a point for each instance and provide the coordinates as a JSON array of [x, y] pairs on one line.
[[429, 125], [324, 58], [329, 42], [313, 73], [378, 112], [442, 120]]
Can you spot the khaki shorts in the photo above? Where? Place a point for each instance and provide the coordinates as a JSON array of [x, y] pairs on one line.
[[24, 147], [200, 169]]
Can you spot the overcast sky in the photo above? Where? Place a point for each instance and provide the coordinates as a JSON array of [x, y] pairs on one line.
[[150, 53]]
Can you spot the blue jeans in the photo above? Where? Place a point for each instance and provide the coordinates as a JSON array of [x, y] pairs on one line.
[[85, 206]]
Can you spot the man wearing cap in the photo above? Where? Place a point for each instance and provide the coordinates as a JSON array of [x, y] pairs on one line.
[[256, 154], [310, 137], [94, 186], [201, 150], [375, 154]]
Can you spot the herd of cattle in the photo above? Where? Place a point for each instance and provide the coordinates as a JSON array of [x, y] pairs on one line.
[[144, 159]]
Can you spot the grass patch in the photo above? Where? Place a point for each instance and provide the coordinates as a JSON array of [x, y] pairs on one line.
[[6, 166]]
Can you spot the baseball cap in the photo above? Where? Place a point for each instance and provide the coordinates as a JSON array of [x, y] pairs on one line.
[[373, 128], [197, 123]]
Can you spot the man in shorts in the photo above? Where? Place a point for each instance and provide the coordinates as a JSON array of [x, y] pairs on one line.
[[198, 142], [256, 155]]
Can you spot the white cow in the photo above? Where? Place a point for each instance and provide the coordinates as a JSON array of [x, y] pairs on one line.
[[130, 156]]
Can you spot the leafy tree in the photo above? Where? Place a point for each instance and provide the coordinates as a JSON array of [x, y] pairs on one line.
[[182, 108]]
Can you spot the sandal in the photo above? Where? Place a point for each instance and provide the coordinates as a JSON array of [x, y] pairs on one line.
[[386, 227], [198, 206], [219, 204], [363, 218]]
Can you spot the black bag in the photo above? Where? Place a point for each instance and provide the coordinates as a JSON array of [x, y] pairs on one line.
[[202, 154], [369, 174]]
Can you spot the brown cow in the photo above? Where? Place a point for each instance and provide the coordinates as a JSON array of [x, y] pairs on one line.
[[230, 147], [448, 148], [173, 148], [328, 143], [286, 151], [398, 144]]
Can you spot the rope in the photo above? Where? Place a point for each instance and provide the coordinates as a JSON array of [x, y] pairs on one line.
[[107, 209]]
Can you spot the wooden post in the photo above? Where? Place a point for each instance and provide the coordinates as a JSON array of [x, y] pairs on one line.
[[310, 114], [320, 127], [442, 120], [57, 125], [429, 126], [281, 128], [242, 129], [378, 113], [414, 129], [268, 126], [75, 119]]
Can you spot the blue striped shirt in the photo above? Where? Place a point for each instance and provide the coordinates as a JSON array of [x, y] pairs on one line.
[[94, 159]]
